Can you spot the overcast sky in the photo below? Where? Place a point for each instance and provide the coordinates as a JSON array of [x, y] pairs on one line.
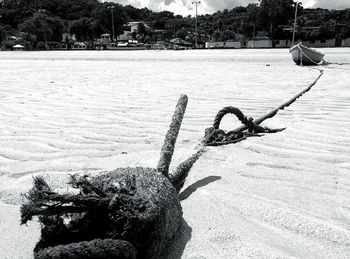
[[185, 7]]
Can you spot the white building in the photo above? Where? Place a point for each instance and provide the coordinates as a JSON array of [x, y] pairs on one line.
[[223, 44], [259, 43], [320, 43], [283, 43], [345, 42]]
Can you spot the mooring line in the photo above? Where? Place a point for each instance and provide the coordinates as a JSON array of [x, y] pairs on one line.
[[336, 63], [290, 101], [324, 62], [217, 137]]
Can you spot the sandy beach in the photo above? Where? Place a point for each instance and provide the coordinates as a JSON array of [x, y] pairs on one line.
[[283, 195]]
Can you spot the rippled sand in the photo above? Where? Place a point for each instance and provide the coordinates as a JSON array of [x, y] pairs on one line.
[[282, 195]]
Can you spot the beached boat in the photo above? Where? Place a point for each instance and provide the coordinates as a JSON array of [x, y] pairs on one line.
[[303, 55]]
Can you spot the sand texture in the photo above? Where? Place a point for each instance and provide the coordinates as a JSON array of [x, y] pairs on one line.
[[283, 195]]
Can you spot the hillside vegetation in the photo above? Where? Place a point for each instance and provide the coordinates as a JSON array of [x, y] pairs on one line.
[[39, 21]]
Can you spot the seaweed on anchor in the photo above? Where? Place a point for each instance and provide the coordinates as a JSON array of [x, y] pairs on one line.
[[125, 213]]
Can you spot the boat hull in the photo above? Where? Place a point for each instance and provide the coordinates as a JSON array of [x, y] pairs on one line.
[[305, 56]]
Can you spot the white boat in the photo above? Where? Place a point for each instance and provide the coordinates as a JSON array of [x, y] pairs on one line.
[[303, 55]]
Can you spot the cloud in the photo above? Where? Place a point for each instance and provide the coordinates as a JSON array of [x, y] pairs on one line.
[[135, 3], [185, 7], [335, 4], [226, 4]]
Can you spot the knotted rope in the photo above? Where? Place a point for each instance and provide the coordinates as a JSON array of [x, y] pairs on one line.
[[214, 136], [248, 121]]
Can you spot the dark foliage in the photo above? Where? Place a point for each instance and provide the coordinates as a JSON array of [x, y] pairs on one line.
[[94, 17]]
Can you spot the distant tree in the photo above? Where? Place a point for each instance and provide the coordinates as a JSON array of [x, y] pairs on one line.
[[103, 15], [217, 36], [136, 14], [69, 9], [85, 29], [163, 15], [57, 26], [274, 13], [41, 45], [250, 20], [160, 25], [43, 27], [141, 28], [143, 32], [327, 30], [28, 40], [227, 35], [16, 12], [22, 16], [182, 33]]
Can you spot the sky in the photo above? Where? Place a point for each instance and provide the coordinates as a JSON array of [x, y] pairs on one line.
[[185, 7]]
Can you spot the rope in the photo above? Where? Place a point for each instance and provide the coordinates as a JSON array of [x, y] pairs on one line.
[[335, 63], [240, 116], [324, 62], [301, 60], [214, 136]]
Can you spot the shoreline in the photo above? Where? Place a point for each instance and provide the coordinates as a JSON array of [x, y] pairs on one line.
[[191, 49]]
